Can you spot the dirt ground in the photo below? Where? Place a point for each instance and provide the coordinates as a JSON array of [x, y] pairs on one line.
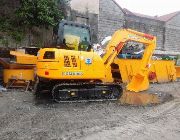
[[24, 117]]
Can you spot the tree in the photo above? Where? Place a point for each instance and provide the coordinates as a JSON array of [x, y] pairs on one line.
[[63, 6], [16, 20], [39, 13]]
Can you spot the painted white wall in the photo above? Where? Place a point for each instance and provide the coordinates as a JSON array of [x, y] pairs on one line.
[[83, 5]]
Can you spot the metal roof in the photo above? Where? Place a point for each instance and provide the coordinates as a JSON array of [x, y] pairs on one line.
[[168, 16], [164, 18]]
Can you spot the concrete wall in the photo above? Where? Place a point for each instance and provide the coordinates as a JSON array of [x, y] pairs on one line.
[[111, 18], [87, 18], [39, 37], [172, 34]]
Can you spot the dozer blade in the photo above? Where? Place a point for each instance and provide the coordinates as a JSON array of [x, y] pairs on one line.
[[138, 83]]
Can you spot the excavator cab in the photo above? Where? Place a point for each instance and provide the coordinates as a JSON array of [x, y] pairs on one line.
[[72, 36]]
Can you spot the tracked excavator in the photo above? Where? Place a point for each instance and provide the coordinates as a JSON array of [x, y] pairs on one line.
[[72, 71]]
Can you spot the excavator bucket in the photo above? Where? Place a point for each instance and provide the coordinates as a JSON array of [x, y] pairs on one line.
[[138, 83], [137, 94]]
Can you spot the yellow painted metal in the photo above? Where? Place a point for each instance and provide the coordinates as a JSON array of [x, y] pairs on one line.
[[140, 98], [128, 68], [64, 67], [81, 65], [117, 42], [120, 37], [177, 71], [23, 74], [164, 70], [22, 58], [61, 66], [138, 83]]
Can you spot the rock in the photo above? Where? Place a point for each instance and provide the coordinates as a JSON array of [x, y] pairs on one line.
[[2, 89]]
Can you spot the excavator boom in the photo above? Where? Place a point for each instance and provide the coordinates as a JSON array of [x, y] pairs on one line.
[[140, 80]]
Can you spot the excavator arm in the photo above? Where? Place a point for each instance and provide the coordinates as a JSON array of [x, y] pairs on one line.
[[139, 81]]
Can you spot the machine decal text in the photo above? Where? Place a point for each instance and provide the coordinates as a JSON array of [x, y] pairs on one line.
[[72, 73]]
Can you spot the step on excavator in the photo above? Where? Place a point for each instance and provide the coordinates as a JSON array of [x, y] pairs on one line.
[[73, 72]]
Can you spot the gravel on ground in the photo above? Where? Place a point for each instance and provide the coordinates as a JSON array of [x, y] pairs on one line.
[[25, 117]]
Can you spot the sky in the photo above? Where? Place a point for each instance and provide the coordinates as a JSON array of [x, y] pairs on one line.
[[151, 7]]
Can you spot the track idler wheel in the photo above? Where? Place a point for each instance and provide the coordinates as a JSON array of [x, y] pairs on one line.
[[116, 92]]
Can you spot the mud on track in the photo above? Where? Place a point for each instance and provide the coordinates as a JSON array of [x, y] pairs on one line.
[[24, 117]]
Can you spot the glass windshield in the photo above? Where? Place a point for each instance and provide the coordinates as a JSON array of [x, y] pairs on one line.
[[77, 38]]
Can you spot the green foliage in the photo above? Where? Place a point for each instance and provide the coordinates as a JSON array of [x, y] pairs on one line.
[[4, 42], [17, 36], [5, 24], [29, 14], [14, 32], [39, 13]]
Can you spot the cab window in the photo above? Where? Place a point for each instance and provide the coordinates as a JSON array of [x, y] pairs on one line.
[[49, 55], [77, 38]]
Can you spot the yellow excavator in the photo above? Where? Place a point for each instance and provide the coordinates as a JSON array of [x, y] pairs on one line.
[[72, 71]]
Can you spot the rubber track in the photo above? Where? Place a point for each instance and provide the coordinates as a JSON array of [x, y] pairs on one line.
[[82, 84]]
